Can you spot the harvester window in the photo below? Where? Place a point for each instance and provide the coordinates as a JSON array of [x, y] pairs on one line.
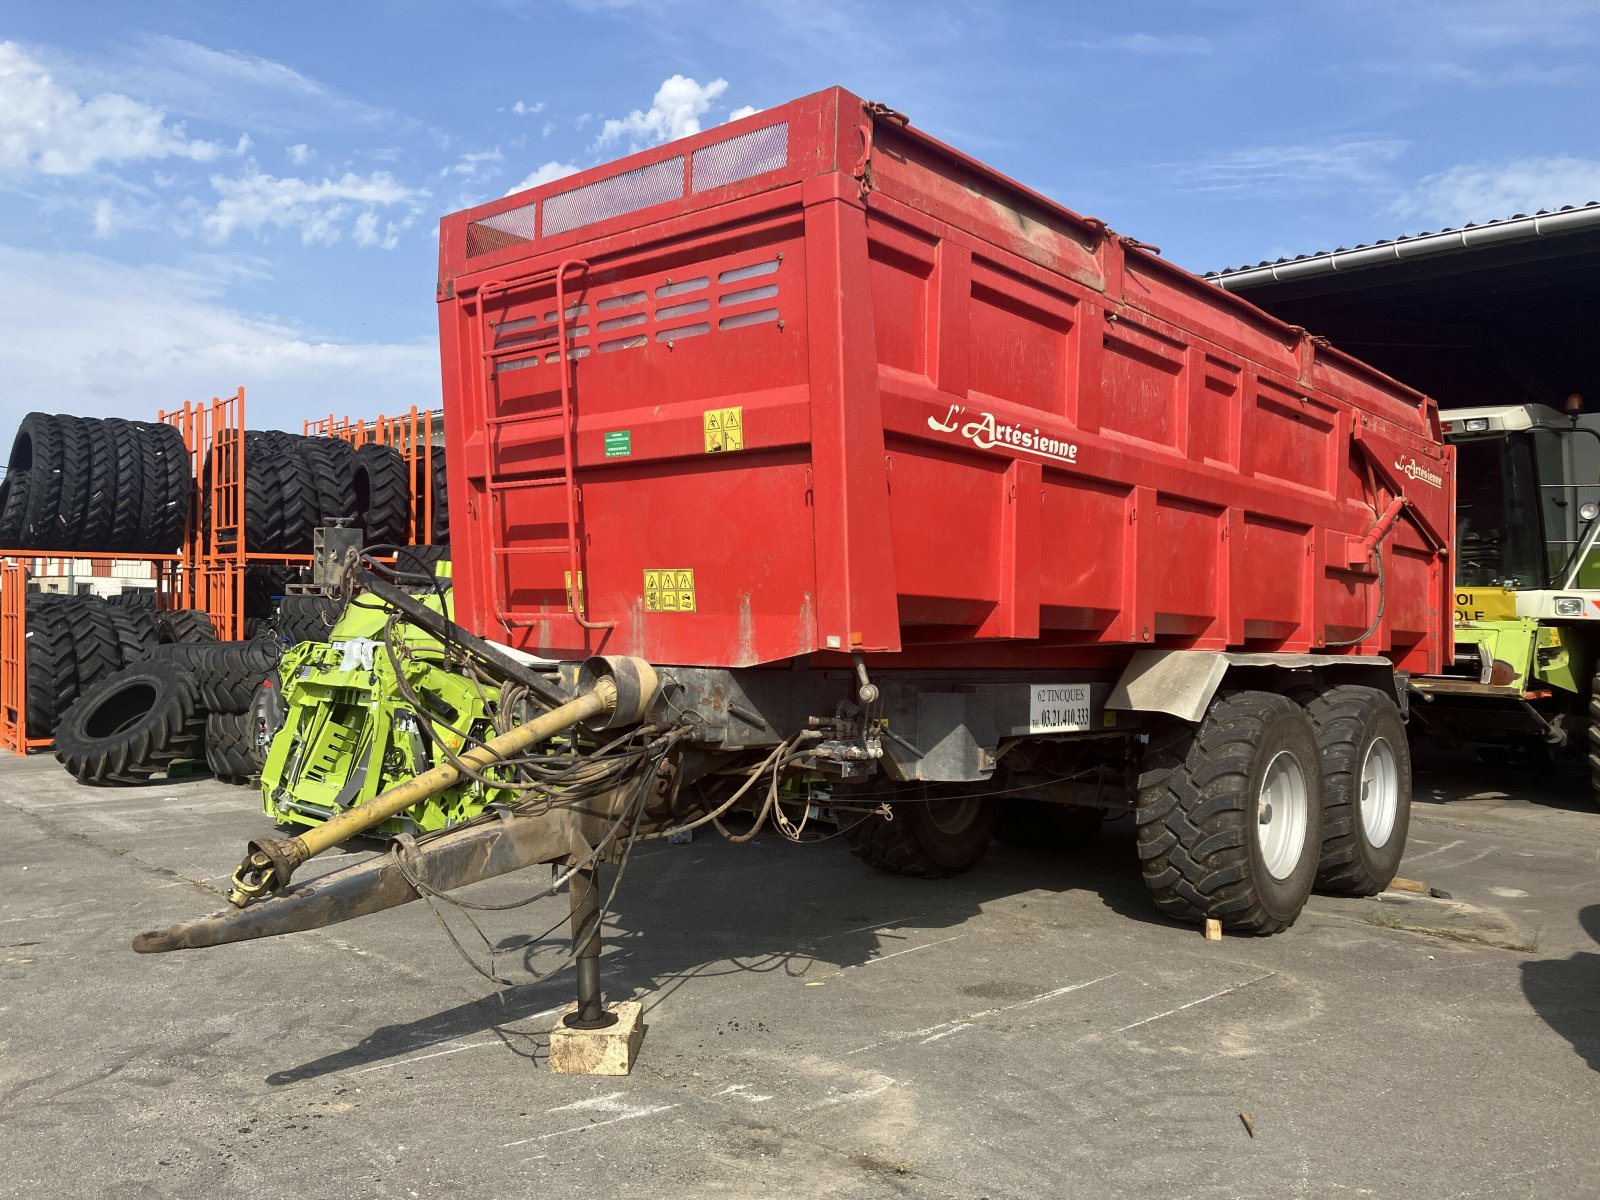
[[1499, 539]]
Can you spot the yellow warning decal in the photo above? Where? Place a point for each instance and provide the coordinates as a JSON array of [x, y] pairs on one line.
[[568, 576], [668, 589], [724, 429]]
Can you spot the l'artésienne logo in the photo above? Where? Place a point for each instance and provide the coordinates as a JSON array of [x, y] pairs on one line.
[[1412, 469], [985, 432]]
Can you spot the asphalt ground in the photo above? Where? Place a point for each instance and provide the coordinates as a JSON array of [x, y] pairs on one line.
[[814, 1028]]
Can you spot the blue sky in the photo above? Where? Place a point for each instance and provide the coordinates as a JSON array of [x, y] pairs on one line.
[[199, 195]]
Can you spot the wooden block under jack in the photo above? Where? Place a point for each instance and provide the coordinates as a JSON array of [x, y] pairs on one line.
[[608, 1051], [1213, 930]]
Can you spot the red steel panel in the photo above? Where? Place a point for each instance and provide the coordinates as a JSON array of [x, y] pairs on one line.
[[836, 386]]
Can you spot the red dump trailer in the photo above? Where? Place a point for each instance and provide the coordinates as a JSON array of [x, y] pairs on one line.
[[978, 510]]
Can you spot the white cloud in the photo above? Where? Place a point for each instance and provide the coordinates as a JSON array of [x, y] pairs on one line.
[[545, 174], [110, 339], [476, 167], [1487, 191], [549, 128], [744, 110], [1150, 43], [300, 154], [226, 86], [320, 209], [48, 129], [675, 112], [1278, 169], [527, 110]]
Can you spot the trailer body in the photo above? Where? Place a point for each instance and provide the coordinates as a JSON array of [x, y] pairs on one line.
[[830, 385]]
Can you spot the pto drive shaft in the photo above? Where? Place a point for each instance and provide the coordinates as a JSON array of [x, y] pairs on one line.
[[270, 862]]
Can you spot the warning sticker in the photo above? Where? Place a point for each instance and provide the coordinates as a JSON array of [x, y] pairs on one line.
[[668, 589], [724, 429], [568, 576]]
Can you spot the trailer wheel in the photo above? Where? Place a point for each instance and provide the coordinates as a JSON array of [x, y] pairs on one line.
[[128, 727], [1366, 788], [935, 832], [1230, 815]]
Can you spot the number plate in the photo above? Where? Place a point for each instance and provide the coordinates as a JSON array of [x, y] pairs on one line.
[[1059, 708]]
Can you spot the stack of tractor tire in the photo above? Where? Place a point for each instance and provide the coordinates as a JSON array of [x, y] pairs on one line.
[[183, 700], [293, 484], [76, 642], [95, 486]]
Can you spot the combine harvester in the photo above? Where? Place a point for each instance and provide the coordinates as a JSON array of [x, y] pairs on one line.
[[811, 468]]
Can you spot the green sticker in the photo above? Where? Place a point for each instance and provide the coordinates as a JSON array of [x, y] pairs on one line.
[[619, 443]]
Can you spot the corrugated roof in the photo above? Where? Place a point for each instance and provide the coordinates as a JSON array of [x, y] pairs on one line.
[[1464, 237]]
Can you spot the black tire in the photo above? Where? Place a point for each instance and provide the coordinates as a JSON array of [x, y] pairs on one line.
[[13, 509], [267, 715], [99, 488], [144, 598], [36, 452], [297, 479], [230, 671], [263, 585], [127, 489], [136, 632], [382, 493], [440, 532], [1352, 726], [95, 644], [71, 533], [1040, 825], [128, 727], [185, 625], [52, 665], [1594, 735], [333, 468], [228, 740], [935, 832], [1200, 794], [419, 563], [167, 474], [308, 618]]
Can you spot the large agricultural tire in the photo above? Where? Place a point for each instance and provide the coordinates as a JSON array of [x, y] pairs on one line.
[[1039, 825], [230, 671], [264, 585], [95, 643], [1230, 814], [36, 453], [333, 465], [71, 533], [100, 490], [128, 727], [52, 665], [13, 509], [382, 492], [268, 711], [128, 486], [185, 625], [167, 473], [419, 564], [308, 618], [298, 479], [136, 631], [1366, 788], [440, 531], [939, 834], [228, 746]]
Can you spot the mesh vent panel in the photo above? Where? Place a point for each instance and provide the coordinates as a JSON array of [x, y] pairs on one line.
[[606, 198], [749, 154]]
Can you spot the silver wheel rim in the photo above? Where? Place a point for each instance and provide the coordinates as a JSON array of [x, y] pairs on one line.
[[1282, 814], [1380, 792]]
